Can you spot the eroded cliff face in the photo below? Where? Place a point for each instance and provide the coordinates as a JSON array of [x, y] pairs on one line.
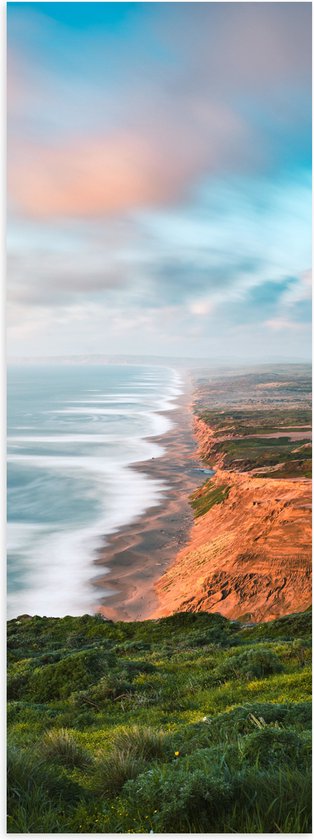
[[248, 557]]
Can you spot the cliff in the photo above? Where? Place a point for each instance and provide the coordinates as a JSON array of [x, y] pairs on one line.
[[249, 556]]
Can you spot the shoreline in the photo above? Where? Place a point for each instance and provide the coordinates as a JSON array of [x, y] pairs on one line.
[[139, 553], [250, 555]]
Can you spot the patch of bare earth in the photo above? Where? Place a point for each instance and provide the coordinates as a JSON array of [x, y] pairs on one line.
[[249, 555]]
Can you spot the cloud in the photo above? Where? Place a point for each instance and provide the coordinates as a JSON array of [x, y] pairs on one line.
[[202, 307], [223, 256], [299, 291], [282, 324], [158, 174], [92, 134], [47, 278], [123, 170], [293, 305]]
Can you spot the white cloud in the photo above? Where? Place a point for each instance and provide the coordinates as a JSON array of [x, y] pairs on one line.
[[299, 291], [202, 307], [282, 324]]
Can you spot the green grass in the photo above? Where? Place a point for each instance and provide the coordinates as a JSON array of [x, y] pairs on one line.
[[191, 723], [292, 469], [206, 496], [250, 453], [60, 746], [257, 421], [241, 440]]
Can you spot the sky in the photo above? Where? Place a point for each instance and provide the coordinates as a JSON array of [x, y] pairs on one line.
[[159, 179]]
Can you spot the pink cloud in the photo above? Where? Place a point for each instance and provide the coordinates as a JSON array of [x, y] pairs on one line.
[[104, 135], [90, 176]]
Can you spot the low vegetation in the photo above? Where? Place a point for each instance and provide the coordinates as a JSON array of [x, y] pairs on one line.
[[256, 421], [206, 496], [256, 452], [191, 723], [261, 420]]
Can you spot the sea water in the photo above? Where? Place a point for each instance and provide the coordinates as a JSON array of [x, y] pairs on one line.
[[74, 432]]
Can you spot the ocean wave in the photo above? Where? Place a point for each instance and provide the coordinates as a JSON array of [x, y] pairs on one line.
[[52, 564]]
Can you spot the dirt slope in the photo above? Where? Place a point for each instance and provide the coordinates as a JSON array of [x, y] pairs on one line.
[[249, 556]]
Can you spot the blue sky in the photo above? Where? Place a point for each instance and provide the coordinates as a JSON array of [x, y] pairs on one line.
[[160, 179]]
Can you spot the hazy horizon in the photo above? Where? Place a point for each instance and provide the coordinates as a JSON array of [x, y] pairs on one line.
[[148, 359]]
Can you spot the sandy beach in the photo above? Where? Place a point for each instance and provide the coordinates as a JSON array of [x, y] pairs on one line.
[[137, 555]]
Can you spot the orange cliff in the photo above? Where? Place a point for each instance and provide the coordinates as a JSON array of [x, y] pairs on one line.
[[249, 557]]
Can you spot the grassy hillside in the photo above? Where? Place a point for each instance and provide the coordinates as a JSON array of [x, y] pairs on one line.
[[190, 723]]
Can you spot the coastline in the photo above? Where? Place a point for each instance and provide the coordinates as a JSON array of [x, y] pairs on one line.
[[138, 554], [249, 556]]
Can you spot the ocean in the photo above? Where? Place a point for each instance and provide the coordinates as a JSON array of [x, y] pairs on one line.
[[74, 432]]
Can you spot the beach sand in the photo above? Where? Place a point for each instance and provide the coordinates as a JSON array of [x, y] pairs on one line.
[[138, 554]]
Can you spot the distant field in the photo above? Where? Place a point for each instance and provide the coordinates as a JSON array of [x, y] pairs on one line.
[[244, 410], [247, 454], [256, 421]]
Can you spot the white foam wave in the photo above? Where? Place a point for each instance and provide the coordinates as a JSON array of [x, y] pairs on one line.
[[58, 566], [109, 401], [124, 411], [58, 562]]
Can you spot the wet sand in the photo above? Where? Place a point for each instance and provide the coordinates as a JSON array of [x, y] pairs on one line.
[[138, 554]]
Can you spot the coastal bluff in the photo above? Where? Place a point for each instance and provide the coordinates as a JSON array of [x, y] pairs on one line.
[[249, 555]]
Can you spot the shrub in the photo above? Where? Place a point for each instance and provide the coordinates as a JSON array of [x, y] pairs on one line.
[[60, 746], [18, 679], [110, 687], [130, 647], [252, 663], [175, 800], [287, 627], [301, 650], [271, 747], [139, 666], [208, 796], [59, 680], [229, 725], [87, 818]]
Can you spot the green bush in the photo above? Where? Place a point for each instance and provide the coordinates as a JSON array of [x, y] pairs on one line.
[[296, 625], [273, 747], [229, 725], [130, 647], [138, 666], [255, 663], [59, 680], [18, 679], [213, 798], [110, 687], [175, 800]]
